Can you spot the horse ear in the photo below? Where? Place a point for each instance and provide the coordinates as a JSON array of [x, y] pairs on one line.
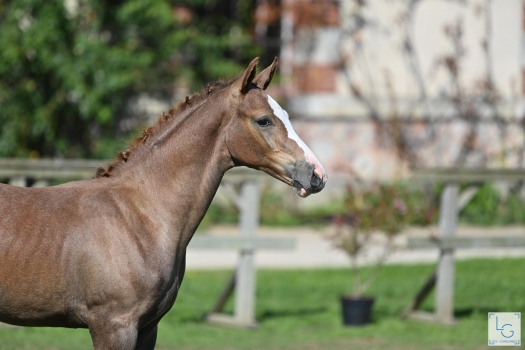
[[243, 81], [265, 77]]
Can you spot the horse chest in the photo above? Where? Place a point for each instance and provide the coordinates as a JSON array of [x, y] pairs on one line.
[[169, 297], [166, 295]]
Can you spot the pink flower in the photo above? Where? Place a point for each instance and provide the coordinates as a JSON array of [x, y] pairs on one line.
[[338, 219], [400, 205]]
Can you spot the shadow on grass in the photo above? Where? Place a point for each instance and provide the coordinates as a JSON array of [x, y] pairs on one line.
[[462, 313], [458, 312], [292, 313], [468, 312]]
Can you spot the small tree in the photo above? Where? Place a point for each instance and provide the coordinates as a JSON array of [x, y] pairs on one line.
[[381, 208]]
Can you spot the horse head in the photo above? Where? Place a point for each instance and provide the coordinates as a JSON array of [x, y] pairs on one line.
[[261, 136]]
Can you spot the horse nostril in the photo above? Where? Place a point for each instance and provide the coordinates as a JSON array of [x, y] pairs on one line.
[[315, 181]]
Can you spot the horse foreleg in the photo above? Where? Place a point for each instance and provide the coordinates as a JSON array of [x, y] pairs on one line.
[[147, 338], [108, 335]]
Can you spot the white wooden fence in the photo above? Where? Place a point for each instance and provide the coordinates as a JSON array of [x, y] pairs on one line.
[[451, 204]]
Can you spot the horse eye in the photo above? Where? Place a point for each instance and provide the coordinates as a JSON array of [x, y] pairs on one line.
[[263, 122]]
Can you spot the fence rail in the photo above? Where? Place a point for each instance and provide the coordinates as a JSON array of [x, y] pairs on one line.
[[467, 174], [46, 169]]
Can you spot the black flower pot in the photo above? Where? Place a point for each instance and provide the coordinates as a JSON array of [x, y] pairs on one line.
[[356, 310]]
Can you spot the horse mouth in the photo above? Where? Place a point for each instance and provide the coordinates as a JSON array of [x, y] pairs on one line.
[[301, 191]]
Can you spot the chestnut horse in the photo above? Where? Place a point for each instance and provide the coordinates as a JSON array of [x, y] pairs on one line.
[[108, 253]]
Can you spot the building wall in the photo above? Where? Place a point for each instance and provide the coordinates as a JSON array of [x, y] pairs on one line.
[[449, 72]]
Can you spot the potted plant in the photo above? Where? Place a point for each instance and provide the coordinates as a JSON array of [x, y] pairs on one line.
[[378, 213]]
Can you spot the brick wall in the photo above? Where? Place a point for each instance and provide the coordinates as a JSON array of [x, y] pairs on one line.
[[314, 75], [311, 78], [316, 13]]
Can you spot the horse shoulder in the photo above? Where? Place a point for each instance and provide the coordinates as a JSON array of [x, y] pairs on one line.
[[126, 245]]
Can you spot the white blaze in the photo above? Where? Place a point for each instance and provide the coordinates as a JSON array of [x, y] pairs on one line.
[[309, 155]]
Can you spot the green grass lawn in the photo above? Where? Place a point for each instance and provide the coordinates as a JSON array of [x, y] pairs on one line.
[[300, 310]]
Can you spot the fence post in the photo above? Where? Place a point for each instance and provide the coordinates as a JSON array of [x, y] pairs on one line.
[[448, 219], [41, 183], [245, 275], [19, 181]]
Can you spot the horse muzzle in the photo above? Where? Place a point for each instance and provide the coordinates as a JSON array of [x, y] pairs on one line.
[[307, 178]]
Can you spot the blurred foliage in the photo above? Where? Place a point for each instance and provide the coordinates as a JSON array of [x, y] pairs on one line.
[[68, 68], [219, 214], [387, 208], [488, 208], [277, 211], [379, 209]]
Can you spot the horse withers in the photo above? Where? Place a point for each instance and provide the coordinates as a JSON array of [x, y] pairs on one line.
[[108, 253]]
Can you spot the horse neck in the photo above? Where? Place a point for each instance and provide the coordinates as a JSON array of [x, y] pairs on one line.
[[178, 179]]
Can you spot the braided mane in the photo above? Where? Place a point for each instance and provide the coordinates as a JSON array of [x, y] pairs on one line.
[[187, 105]]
